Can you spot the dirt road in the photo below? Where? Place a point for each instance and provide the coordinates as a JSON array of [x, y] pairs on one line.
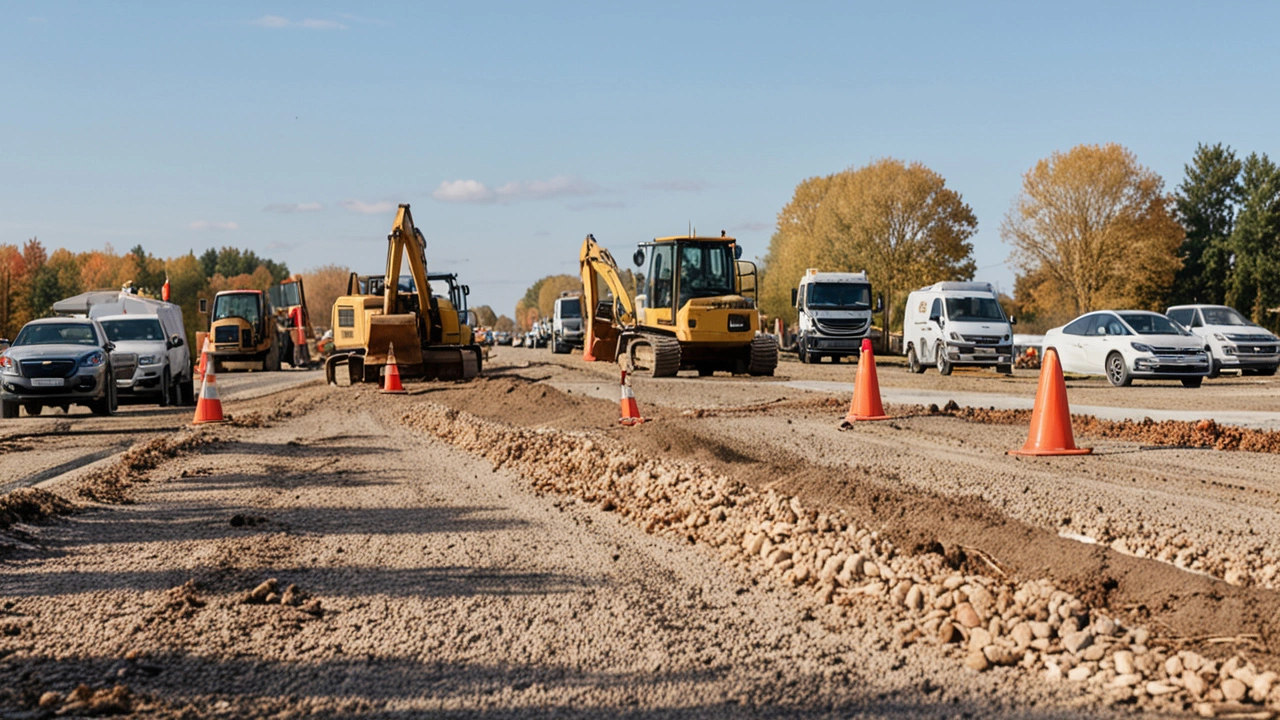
[[501, 547]]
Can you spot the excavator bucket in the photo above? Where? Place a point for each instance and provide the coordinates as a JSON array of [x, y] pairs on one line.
[[401, 330]]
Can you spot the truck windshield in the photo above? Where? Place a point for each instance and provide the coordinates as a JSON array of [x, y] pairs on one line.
[[974, 309], [570, 308], [706, 270], [239, 305], [135, 329], [57, 334], [846, 296], [1152, 324], [1223, 316]]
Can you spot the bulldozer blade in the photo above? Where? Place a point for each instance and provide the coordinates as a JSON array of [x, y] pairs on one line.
[[451, 363], [399, 329]]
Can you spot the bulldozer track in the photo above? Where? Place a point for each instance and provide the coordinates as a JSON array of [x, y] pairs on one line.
[[666, 355], [764, 356]]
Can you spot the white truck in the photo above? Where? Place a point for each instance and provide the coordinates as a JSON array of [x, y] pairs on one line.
[[567, 331], [151, 357], [1233, 342], [957, 324], [833, 314]]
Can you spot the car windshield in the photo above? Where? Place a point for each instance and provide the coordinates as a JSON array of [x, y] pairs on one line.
[[570, 308], [1152, 324], [133, 329], [973, 309], [239, 305], [706, 270], [57, 334], [1224, 316], [839, 295]]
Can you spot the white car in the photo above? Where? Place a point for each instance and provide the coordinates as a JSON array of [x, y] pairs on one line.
[[1234, 342], [1128, 344]]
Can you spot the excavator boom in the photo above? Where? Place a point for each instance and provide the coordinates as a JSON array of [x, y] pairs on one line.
[[596, 263]]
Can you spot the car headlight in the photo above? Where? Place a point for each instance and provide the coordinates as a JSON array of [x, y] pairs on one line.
[[93, 359], [148, 359], [1141, 347], [956, 336], [8, 366], [1219, 337]]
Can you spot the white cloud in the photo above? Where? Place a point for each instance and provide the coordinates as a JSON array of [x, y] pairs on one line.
[[464, 191], [288, 208], [276, 22], [360, 207], [676, 185], [213, 225], [474, 191]]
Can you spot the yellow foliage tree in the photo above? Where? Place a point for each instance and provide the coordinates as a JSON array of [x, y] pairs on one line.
[[898, 221], [551, 289], [324, 285], [1092, 229]]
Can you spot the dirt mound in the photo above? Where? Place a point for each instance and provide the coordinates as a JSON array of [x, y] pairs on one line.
[[522, 401], [1171, 433], [28, 505], [110, 484]]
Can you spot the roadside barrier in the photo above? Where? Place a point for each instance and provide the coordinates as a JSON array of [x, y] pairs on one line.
[[630, 410], [1051, 419], [209, 407], [865, 404], [391, 382]]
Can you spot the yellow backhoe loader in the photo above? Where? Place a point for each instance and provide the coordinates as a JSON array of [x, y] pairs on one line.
[[693, 312], [430, 341]]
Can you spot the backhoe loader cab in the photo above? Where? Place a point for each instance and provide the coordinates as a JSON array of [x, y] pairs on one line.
[[243, 331], [697, 309], [293, 323]]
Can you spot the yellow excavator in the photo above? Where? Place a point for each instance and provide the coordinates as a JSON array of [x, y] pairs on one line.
[[429, 340], [693, 311]]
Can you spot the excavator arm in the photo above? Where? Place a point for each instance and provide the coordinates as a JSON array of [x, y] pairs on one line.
[[596, 263], [405, 238]]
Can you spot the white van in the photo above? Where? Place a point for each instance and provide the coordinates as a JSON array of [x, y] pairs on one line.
[[567, 330], [833, 314], [957, 324], [1233, 341], [151, 357]]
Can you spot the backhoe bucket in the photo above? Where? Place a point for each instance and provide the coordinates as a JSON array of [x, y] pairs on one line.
[[401, 330]]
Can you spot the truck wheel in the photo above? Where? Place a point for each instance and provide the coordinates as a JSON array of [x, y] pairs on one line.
[[913, 362], [1192, 382], [1004, 369], [166, 389], [801, 352], [944, 366], [272, 361], [187, 392], [33, 408], [1267, 372], [8, 409], [706, 370]]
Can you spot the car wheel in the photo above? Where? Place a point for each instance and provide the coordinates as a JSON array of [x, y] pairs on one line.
[[166, 389], [33, 408], [913, 362], [106, 405], [1267, 372], [1191, 382], [1004, 369], [944, 366], [1118, 371], [187, 392], [8, 409], [1215, 368]]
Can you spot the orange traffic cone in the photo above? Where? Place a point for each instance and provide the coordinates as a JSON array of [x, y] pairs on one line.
[[630, 410], [865, 404], [209, 407], [1051, 418], [391, 382]]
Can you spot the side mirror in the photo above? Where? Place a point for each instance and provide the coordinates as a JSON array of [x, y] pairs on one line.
[[176, 342], [737, 252], [466, 289], [204, 306], [879, 304], [638, 258], [795, 295], [1013, 320], [109, 346], [1102, 330], [935, 318]]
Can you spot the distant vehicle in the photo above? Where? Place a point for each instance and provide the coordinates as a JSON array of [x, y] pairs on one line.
[[1234, 342], [58, 362], [957, 324], [833, 314], [504, 337], [1128, 344], [566, 324]]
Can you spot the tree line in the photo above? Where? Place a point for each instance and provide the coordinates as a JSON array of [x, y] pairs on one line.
[[1090, 229]]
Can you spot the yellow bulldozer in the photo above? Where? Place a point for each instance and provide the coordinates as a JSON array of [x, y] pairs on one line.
[[696, 309], [428, 335]]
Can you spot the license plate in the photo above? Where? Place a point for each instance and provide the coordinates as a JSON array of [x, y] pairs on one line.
[[46, 382]]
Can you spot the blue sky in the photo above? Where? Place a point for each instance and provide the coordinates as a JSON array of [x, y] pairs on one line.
[[516, 128]]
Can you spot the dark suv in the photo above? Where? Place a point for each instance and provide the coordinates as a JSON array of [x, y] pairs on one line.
[[58, 362]]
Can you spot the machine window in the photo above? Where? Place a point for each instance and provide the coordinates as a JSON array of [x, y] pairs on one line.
[[141, 329], [660, 276], [706, 270], [974, 309], [346, 317]]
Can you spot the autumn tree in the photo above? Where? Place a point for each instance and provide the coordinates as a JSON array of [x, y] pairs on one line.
[[1207, 202], [324, 285], [1096, 229], [898, 221], [504, 324], [485, 315], [1253, 287], [551, 289]]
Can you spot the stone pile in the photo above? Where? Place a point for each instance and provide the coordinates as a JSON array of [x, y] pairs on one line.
[[985, 622]]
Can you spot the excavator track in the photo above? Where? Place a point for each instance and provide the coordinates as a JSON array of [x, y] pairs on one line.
[[654, 355], [764, 355]]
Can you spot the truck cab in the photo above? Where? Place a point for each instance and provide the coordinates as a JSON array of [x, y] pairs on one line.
[[243, 331], [567, 330], [833, 314]]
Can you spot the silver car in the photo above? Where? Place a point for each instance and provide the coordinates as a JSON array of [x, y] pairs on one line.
[[57, 362]]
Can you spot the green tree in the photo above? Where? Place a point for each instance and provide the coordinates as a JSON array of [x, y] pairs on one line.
[[1254, 284], [1207, 202], [1095, 228]]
